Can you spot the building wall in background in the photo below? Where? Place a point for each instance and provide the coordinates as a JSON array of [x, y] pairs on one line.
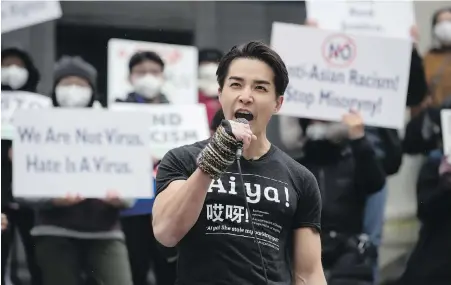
[[216, 24]]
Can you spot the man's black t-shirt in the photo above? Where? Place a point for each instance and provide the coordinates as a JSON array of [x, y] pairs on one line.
[[220, 249]]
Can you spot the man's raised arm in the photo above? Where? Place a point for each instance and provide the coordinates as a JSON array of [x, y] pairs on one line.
[[178, 207], [182, 182]]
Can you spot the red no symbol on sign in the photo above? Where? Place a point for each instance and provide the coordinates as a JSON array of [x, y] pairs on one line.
[[339, 50]]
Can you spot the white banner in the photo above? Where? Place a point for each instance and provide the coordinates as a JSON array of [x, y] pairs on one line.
[[446, 130], [331, 73], [89, 152], [171, 126], [372, 18], [180, 69], [19, 100], [20, 14]]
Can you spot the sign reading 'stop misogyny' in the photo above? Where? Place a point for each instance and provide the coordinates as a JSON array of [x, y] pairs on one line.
[[331, 73], [89, 152]]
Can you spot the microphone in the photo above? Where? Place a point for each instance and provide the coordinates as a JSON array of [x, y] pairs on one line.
[[239, 151]]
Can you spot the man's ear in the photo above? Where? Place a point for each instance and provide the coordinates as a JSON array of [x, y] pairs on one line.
[[279, 102], [130, 79]]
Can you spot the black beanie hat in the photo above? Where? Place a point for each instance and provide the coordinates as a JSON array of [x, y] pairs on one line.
[[75, 66]]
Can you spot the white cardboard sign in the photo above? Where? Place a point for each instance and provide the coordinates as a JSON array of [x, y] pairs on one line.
[[21, 14], [19, 100], [60, 151], [331, 73], [372, 18], [446, 130], [170, 126], [180, 69]]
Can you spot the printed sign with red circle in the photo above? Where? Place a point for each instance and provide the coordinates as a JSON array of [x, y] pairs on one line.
[[339, 50]]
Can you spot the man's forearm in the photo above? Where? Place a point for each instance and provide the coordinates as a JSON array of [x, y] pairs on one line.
[[177, 214]]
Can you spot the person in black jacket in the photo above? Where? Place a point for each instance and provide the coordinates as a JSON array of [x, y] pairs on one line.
[[430, 262], [18, 74], [388, 148], [146, 70], [347, 169], [424, 131]]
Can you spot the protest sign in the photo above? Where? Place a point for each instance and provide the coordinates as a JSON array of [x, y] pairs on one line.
[[21, 14], [60, 151], [141, 206], [170, 126], [180, 69], [19, 100], [371, 18], [331, 73], [446, 130]]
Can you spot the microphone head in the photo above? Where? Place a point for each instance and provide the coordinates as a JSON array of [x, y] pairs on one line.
[[242, 121]]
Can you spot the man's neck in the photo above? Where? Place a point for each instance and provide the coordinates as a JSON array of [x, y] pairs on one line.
[[258, 148]]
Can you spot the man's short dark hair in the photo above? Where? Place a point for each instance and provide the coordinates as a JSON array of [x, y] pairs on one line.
[[141, 56], [262, 52]]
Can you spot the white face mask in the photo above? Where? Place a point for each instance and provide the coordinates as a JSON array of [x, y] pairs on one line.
[[443, 32], [148, 86], [316, 131], [73, 96], [14, 76], [334, 132], [207, 79]]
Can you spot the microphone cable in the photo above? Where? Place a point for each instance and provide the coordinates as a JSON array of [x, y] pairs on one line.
[[239, 152]]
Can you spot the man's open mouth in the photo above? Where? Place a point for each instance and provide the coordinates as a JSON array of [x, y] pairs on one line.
[[244, 115]]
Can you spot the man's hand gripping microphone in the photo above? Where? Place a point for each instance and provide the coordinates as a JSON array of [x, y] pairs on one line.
[[221, 150]]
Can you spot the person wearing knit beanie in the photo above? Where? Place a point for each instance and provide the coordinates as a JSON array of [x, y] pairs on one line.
[[75, 83], [72, 231]]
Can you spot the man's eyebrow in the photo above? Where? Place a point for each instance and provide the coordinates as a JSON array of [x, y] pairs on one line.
[[255, 81], [262, 82], [236, 78]]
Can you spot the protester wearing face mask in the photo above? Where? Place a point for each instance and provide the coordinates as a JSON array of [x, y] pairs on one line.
[[345, 165], [76, 235], [147, 78], [208, 84], [18, 71], [75, 83], [437, 62], [18, 74]]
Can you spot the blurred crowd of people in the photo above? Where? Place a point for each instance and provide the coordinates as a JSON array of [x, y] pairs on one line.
[[70, 239]]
